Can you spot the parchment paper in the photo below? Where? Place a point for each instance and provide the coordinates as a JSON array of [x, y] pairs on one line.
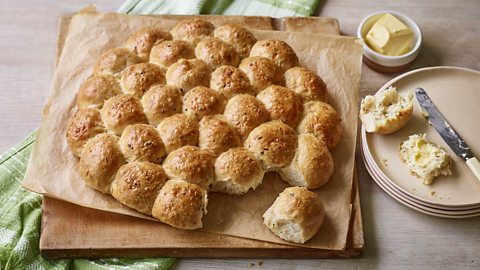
[[336, 59]]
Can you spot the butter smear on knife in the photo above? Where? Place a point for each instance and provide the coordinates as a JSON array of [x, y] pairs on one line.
[[389, 36]]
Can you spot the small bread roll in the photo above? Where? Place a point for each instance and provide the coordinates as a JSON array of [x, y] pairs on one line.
[[137, 79], [307, 84], [312, 165], [191, 164], [245, 112], [262, 72], [276, 50], [178, 130], [274, 143], [121, 111], [321, 120], [230, 81], [216, 52], [386, 111], [142, 41], [100, 160], [113, 61], [181, 205], [282, 104], [161, 101], [188, 73], [216, 135], [237, 36], [296, 215], [83, 125], [236, 171], [95, 90], [192, 30], [202, 101], [137, 185], [169, 52], [141, 142]]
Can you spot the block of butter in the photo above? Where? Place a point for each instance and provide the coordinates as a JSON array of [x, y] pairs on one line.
[[389, 36]]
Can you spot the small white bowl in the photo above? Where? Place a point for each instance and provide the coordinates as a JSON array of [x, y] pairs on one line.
[[384, 63]]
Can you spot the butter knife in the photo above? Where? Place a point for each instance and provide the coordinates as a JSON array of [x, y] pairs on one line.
[[446, 131]]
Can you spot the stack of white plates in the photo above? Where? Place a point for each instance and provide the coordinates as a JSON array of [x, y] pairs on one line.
[[456, 93]]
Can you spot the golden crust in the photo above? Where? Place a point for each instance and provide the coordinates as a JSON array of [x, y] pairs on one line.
[[181, 205], [237, 36], [188, 73], [161, 101], [216, 52], [216, 135], [142, 41], [178, 130], [95, 90], [192, 30], [83, 125], [138, 78], [276, 50], [121, 111], [141, 142], [282, 104], [307, 84], [137, 185], [202, 101], [230, 81], [113, 61], [169, 52], [262, 72]]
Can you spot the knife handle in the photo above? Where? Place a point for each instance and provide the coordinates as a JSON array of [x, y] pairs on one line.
[[474, 165]]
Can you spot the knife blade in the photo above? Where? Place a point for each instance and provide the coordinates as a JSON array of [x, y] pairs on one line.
[[446, 131]]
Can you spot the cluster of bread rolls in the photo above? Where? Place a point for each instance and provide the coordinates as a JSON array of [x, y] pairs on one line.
[[169, 116]]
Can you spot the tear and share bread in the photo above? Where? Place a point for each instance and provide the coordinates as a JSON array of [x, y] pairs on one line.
[[230, 81], [216, 135], [296, 215], [121, 111], [169, 52], [137, 185], [202, 101], [137, 79], [95, 90], [262, 72], [237, 170], [237, 36], [141, 142], [142, 41], [113, 61], [274, 143], [245, 112], [99, 161], [191, 164], [307, 84], [282, 104], [312, 165], [181, 205], [188, 73], [83, 125], [178, 130], [321, 120], [192, 30], [386, 111], [160, 102], [216, 52], [276, 50]]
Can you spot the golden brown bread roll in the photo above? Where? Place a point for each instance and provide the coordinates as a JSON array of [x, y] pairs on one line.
[[245, 112], [296, 215], [83, 125], [161, 101], [274, 143], [137, 185], [321, 120], [237, 36], [169, 52], [282, 104], [307, 84], [216, 135], [262, 72], [113, 61], [312, 165], [276, 50], [95, 90], [192, 30], [216, 52], [181, 205], [137, 79], [100, 160], [202, 101], [141, 142], [142, 41], [121, 111], [188, 73], [236, 171], [191, 164], [230, 81], [178, 130]]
